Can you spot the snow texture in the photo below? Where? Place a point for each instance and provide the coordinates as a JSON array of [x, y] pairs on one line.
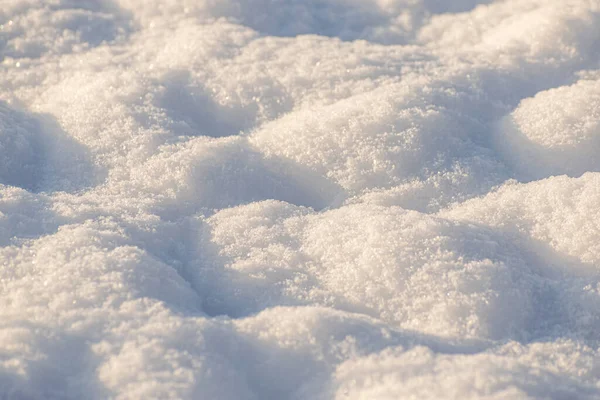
[[299, 199]]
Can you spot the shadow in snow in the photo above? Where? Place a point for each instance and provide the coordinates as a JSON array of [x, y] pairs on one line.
[[37, 155], [194, 110], [63, 365], [61, 27]]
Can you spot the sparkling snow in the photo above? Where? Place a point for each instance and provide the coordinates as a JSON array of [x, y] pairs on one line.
[[299, 199]]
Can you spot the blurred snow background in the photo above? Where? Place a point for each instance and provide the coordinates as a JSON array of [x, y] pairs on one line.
[[299, 199]]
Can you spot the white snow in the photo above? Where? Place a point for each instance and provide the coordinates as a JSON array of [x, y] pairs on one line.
[[299, 199]]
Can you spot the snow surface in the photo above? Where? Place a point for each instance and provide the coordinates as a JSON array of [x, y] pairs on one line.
[[299, 199]]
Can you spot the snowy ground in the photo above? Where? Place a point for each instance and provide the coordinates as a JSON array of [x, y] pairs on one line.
[[299, 199]]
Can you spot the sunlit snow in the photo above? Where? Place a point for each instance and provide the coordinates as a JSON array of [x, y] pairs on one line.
[[299, 199]]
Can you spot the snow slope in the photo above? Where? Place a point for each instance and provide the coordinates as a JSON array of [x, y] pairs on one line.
[[299, 199]]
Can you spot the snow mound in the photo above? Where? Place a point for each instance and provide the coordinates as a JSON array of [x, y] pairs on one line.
[[413, 271], [299, 199], [556, 132]]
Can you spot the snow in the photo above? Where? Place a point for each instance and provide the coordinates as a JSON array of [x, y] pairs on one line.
[[299, 199]]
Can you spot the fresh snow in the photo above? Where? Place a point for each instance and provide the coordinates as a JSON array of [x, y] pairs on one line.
[[299, 199]]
